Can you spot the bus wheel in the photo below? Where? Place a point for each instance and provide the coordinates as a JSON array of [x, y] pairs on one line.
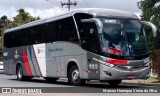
[[74, 76], [51, 79], [114, 82], [20, 75]]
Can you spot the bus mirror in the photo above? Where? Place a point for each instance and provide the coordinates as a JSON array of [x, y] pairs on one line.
[[95, 20], [154, 28]]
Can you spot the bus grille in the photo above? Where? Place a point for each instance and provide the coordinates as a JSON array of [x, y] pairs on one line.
[[130, 68]]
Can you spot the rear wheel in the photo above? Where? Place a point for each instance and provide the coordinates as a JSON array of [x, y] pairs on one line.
[[114, 82], [20, 75], [74, 76], [51, 79]]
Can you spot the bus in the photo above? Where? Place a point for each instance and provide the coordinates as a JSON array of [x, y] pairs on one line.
[[82, 45]]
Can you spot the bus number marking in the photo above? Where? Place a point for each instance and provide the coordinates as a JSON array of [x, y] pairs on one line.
[[54, 59]]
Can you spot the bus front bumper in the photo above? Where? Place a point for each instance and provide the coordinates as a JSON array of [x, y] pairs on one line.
[[113, 73]]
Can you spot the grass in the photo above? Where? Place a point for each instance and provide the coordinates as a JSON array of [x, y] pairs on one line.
[[149, 81], [156, 79]]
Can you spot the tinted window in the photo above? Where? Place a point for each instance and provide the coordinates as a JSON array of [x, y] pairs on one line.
[[61, 30], [92, 38], [67, 30], [51, 32], [23, 37], [37, 34], [123, 37]]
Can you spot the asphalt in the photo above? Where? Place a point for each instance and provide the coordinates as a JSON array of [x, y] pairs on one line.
[[10, 81]]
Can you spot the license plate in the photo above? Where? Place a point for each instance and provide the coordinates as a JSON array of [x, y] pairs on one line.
[[130, 77]]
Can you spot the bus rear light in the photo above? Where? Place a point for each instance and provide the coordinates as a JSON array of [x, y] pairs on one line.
[[117, 61]]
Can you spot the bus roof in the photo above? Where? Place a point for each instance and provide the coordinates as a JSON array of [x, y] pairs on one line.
[[105, 12], [95, 12]]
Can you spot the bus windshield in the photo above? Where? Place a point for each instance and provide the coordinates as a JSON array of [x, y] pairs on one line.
[[123, 37]]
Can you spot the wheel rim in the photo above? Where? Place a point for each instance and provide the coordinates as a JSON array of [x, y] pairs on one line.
[[75, 75], [20, 73]]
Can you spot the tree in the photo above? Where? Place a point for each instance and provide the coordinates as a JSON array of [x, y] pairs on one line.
[[22, 18], [151, 12], [4, 24]]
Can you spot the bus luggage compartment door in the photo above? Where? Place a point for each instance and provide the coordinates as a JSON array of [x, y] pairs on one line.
[[51, 60]]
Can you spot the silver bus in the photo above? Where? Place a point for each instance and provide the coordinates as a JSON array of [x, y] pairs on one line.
[[84, 44]]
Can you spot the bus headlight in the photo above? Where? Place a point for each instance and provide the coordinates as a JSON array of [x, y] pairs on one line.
[[109, 65], [146, 60], [147, 64]]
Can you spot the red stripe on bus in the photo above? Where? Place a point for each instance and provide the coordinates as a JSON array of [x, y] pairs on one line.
[[26, 63], [117, 61]]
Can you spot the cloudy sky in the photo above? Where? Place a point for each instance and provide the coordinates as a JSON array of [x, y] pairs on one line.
[[46, 9]]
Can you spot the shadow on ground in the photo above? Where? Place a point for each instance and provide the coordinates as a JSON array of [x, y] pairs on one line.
[[88, 84]]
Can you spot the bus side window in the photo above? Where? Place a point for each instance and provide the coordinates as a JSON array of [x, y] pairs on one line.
[[35, 34], [26, 38], [8, 40], [50, 32], [67, 30]]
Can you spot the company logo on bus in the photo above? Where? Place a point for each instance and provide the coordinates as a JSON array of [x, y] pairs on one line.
[[40, 51], [130, 68]]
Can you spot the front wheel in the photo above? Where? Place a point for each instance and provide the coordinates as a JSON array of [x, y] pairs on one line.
[[114, 82], [74, 76]]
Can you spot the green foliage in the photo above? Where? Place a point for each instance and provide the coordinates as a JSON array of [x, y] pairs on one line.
[[1, 42], [21, 18], [4, 24], [151, 12]]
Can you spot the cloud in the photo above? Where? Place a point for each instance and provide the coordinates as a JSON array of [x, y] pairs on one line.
[[46, 13], [10, 12], [157, 4], [40, 8], [35, 4], [125, 5], [45, 9]]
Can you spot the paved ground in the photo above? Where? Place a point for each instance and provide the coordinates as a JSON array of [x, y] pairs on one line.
[[83, 94], [10, 81]]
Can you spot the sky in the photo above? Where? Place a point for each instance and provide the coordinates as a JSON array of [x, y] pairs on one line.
[[45, 9]]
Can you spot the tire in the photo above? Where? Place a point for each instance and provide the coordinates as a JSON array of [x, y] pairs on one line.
[[114, 82], [74, 77], [19, 72], [20, 75], [51, 79]]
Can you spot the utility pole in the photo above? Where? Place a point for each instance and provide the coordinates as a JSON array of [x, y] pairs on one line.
[[69, 3]]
